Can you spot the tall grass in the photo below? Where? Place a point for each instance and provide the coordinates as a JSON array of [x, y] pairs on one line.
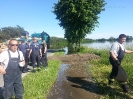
[[101, 68]]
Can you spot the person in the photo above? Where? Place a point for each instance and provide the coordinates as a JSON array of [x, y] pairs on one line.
[[10, 62], [27, 51], [44, 54], [23, 47], [35, 52], [117, 52], [0, 49]]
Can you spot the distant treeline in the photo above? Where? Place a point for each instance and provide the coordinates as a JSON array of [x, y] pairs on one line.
[[111, 39], [7, 33]]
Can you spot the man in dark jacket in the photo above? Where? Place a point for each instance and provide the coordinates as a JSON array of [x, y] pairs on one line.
[[23, 47]]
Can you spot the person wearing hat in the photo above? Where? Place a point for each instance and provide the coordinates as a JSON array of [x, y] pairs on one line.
[[117, 52], [35, 53]]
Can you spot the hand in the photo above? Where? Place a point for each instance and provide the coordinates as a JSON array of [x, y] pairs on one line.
[[40, 55], [117, 62], [2, 70]]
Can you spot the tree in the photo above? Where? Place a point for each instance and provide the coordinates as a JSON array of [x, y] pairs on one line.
[[13, 32], [7, 33], [78, 18]]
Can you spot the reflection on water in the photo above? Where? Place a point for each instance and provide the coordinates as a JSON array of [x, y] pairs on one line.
[[61, 74], [66, 50], [98, 45], [105, 45]]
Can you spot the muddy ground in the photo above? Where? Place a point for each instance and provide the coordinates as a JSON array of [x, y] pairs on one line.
[[74, 81]]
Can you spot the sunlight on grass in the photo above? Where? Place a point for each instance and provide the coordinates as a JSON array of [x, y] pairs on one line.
[[37, 85]]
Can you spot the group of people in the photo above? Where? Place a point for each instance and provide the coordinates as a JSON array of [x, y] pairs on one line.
[[14, 61], [34, 53]]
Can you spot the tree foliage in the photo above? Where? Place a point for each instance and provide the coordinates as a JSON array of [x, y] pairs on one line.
[[56, 42], [10, 32], [78, 17]]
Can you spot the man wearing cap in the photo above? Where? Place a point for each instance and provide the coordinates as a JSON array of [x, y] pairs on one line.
[[35, 52]]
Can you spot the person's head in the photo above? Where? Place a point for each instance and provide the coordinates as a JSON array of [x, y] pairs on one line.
[[43, 41], [122, 38], [22, 42], [35, 39], [13, 45], [28, 42]]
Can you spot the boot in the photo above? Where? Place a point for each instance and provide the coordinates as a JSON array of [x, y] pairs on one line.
[[110, 81], [125, 88]]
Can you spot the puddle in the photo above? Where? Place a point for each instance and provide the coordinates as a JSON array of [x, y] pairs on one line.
[[73, 83], [61, 78]]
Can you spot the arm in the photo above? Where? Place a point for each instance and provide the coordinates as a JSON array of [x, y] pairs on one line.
[[45, 48], [128, 51], [113, 51], [113, 56], [29, 53], [40, 53], [2, 58], [2, 70], [22, 60]]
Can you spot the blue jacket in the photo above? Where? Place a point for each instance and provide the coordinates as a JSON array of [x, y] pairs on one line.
[[23, 48]]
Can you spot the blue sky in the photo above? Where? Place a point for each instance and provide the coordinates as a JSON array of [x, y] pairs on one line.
[[36, 16]]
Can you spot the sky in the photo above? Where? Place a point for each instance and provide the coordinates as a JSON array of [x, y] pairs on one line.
[[36, 16]]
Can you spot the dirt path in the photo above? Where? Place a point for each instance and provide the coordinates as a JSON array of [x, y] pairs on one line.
[[74, 80]]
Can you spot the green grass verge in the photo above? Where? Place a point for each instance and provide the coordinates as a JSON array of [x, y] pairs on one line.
[[37, 85]]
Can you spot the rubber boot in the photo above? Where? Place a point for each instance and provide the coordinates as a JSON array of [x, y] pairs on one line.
[[125, 88]]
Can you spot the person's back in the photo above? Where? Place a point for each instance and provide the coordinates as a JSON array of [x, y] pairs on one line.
[[35, 46]]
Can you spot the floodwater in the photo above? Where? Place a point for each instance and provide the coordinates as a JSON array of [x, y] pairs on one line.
[[105, 45], [73, 82]]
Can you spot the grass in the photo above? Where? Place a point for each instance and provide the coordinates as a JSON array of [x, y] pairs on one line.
[[100, 70], [37, 85]]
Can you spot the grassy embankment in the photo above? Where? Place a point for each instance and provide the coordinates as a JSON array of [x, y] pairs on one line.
[[37, 85], [100, 70]]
